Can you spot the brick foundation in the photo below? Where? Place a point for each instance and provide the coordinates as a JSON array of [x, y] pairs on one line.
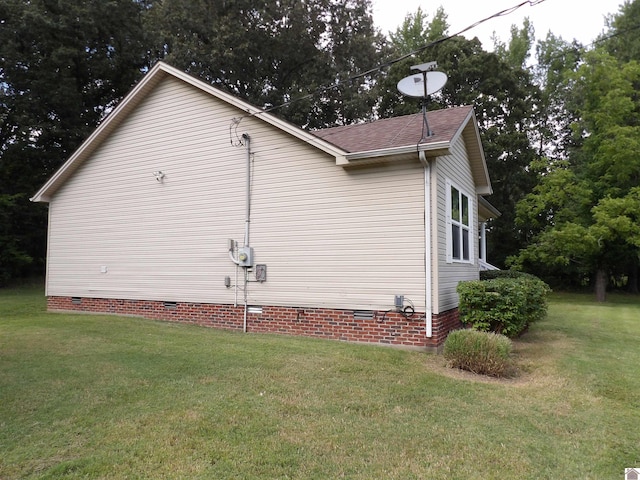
[[386, 328]]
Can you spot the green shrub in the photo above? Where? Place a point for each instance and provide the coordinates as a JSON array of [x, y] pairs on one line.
[[479, 352], [506, 303], [493, 274]]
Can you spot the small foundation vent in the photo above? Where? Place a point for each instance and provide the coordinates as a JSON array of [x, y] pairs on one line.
[[363, 315]]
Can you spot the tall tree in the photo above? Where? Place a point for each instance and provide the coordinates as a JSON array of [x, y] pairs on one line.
[[622, 40], [271, 53], [557, 61], [63, 65], [579, 214], [518, 51]]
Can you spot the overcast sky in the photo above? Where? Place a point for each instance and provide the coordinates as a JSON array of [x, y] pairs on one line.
[[571, 19]]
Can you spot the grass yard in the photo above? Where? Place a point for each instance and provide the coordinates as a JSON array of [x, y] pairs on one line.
[[94, 396]]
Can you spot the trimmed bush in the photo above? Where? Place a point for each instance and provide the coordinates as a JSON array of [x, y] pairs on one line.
[[484, 353], [493, 274], [507, 303]]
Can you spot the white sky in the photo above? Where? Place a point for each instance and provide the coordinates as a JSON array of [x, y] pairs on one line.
[[582, 20]]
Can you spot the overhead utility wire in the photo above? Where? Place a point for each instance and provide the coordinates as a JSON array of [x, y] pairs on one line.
[[381, 66], [615, 34]]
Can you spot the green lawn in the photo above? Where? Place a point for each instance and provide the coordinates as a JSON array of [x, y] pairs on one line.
[[89, 396]]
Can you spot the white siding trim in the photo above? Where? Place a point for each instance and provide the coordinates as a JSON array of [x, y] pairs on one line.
[[471, 206], [448, 224]]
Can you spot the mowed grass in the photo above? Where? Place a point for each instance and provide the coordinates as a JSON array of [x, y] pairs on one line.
[[93, 396]]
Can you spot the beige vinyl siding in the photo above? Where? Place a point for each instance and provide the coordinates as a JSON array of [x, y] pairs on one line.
[[455, 168], [329, 236]]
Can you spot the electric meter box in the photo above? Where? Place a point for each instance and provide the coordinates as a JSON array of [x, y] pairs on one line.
[[245, 257]]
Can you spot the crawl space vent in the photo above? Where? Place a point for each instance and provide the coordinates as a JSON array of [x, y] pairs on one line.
[[363, 315]]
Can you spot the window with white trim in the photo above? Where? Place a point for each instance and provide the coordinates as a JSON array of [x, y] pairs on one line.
[[459, 221]]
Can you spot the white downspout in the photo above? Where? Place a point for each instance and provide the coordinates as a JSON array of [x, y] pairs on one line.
[[428, 314]]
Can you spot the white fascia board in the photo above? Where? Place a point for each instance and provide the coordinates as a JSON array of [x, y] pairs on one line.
[[471, 122], [463, 125], [352, 158]]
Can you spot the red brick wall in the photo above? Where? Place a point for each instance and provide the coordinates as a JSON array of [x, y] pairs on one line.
[[390, 328]]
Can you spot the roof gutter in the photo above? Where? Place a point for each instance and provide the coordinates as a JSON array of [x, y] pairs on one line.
[[427, 149]]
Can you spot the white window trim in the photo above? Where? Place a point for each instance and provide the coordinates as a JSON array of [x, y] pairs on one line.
[[449, 223]]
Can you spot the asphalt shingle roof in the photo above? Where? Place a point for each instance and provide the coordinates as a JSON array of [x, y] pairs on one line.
[[394, 132]]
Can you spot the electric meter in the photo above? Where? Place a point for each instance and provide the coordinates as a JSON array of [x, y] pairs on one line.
[[245, 256]]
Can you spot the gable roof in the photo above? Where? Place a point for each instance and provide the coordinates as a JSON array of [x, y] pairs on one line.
[[357, 144], [160, 71]]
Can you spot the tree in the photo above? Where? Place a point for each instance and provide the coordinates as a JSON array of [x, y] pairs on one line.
[[622, 40], [617, 226], [63, 65], [557, 61], [579, 215], [519, 49], [273, 53]]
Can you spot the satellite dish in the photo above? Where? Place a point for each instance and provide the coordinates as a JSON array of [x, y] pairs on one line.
[[413, 85], [421, 85]]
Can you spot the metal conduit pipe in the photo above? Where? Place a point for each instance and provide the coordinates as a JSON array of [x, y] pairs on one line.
[[247, 224]]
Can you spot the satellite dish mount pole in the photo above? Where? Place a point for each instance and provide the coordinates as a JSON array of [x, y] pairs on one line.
[[423, 68], [425, 122]]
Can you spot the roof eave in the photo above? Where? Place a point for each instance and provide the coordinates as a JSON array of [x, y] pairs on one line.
[[486, 209], [434, 149]]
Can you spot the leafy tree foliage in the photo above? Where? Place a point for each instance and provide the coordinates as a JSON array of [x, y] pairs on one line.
[[580, 214], [557, 61], [519, 49], [270, 53], [622, 39], [63, 65]]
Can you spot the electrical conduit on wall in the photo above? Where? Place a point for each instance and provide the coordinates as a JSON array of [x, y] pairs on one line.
[[245, 255], [247, 224]]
